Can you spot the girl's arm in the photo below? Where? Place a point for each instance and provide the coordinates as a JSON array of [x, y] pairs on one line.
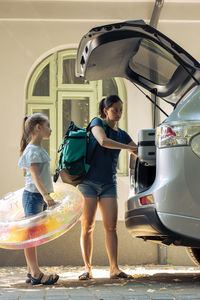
[[104, 141], [39, 184]]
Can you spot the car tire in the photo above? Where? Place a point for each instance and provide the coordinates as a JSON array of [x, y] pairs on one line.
[[194, 254]]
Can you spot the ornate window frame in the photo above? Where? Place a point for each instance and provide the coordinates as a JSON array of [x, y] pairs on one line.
[[58, 91]]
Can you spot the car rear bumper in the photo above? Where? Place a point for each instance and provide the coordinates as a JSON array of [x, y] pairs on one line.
[[144, 222]]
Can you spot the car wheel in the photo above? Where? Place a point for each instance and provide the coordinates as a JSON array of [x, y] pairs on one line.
[[194, 254]]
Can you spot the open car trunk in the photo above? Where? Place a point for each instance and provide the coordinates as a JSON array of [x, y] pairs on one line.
[[140, 53], [143, 55], [143, 168]]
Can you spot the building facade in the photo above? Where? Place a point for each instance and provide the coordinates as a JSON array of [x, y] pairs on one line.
[[39, 40]]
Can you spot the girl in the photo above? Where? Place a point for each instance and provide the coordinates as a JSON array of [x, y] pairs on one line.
[[99, 187], [38, 185]]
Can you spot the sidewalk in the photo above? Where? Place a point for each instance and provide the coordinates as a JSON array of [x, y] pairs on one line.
[[149, 282]]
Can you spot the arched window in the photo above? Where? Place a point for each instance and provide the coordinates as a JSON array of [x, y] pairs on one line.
[[54, 90]]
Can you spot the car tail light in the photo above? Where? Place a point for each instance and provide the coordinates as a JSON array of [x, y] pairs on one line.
[[146, 200], [176, 134]]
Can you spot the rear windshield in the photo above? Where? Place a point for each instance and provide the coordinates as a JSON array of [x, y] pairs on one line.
[[153, 63]]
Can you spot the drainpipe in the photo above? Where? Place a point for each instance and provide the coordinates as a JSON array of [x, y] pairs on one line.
[[162, 250], [156, 13], [154, 22]]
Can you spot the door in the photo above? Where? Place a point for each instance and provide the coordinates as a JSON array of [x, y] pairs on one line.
[[140, 53], [79, 107]]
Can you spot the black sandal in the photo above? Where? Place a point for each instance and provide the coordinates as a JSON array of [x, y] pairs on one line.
[[50, 280], [85, 275], [35, 281], [28, 280], [122, 275]]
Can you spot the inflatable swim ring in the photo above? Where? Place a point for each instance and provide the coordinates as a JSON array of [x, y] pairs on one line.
[[17, 232]]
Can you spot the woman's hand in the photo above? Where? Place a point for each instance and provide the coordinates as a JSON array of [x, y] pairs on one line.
[[132, 148]]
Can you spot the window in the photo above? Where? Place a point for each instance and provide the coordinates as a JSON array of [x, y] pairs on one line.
[[54, 90]]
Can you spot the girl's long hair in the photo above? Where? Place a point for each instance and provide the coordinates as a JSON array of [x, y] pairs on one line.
[[28, 126], [107, 103]]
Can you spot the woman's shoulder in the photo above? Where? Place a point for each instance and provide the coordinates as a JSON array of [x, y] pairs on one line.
[[96, 122]]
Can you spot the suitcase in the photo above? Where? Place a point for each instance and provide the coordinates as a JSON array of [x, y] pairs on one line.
[[146, 146]]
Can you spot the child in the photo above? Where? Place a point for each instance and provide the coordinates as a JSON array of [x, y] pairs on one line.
[[38, 185]]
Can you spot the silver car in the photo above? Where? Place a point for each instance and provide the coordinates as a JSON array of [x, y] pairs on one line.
[[164, 199]]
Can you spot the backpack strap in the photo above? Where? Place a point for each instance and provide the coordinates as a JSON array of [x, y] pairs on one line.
[[104, 124]]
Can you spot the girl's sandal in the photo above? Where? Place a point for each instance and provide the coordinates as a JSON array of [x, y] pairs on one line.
[[28, 279], [50, 280], [35, 281]]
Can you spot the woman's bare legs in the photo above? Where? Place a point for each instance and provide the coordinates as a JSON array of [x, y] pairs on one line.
[[87, 227], [109, 211]]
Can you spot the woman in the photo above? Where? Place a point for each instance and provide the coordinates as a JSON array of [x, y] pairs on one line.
[[99, 187]]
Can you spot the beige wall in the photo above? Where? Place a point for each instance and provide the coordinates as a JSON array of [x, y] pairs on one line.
[[26, 40], [30, 30], [65, 250]]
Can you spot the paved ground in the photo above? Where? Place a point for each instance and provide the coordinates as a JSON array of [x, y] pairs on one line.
[[149, 282]]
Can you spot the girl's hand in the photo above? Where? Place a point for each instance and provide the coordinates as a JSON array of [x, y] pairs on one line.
[[40, 186], [49, 201]]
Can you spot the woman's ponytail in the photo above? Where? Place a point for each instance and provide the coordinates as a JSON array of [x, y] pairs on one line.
[[101, 108]]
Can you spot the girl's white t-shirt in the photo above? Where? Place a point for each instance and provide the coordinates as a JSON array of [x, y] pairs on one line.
[[36, 154]]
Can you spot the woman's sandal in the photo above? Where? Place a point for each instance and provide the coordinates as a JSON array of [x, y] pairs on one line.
[[85, 276], [49, 281], [28, 280]]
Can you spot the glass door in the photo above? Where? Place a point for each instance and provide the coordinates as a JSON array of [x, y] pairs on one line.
[[77, 107]]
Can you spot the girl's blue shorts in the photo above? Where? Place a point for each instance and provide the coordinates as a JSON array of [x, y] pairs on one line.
[[33, 203], [90, 189]]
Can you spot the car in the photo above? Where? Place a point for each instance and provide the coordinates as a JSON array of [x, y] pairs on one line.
[[164, 199]]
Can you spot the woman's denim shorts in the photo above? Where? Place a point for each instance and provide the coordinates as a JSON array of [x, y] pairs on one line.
[[90, 189], [33, 203]]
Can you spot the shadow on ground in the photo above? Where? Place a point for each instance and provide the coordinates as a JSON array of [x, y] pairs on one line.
[[157, 278], [14, 278]]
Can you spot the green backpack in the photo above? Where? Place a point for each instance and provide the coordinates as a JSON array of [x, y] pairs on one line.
[[72, 166]]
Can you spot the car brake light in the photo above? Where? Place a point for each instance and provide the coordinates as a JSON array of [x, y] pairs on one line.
[[176, 134], [146, 200], [168, 132]]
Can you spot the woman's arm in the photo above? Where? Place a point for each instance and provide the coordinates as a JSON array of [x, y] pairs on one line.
[[104, 141], [39, 184], [135, 151]]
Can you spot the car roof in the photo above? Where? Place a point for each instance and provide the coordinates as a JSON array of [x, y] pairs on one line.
[[140, 53]]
